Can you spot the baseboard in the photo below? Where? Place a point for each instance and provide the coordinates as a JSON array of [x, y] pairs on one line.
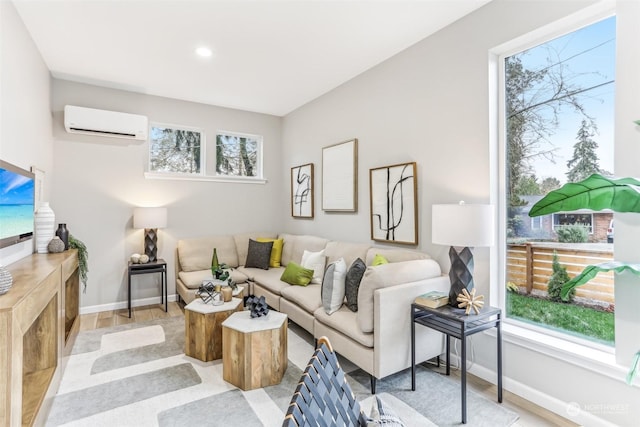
[[123, 304], [569, 410]]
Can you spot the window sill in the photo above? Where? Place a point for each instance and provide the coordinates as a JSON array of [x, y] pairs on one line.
[[599, 361], [233, 179]]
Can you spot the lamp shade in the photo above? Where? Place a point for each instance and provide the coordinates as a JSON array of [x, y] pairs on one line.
[[463, 225], [149, 217]]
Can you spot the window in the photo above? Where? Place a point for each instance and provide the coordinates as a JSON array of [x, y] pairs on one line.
[[557, 115], [175, 150], [238, 155]]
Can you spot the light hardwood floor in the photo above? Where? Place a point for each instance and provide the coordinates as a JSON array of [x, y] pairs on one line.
[[531, 415]]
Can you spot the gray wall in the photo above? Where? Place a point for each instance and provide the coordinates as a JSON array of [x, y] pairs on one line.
[[100, 180], [25, 115], [431, 104]]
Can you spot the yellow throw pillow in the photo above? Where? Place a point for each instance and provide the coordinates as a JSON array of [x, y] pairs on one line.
[[295, 274], [379, 260], [276, 250]]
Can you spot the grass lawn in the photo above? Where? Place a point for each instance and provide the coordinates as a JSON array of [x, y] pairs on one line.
[[587, 322]]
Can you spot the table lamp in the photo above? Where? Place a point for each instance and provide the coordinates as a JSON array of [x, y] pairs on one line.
[[150, 219], [462, 227]]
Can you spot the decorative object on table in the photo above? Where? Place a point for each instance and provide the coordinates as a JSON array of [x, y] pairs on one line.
[[433, 299], [302, 191], [227, 293], [219, 271], [144, 258], [340, 177], [135, 258], [469, 300], [6, 280], [150, 219], [257, 306], [55, 246], [208, 293], [63, 233], [462, 226], [83, 258], [45, 220], [393, 196]]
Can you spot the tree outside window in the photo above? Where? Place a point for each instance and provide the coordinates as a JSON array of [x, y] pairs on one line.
[[174, 150], [238, 155]]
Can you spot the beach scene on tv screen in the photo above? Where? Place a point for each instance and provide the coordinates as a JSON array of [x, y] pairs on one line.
[[16, 204]]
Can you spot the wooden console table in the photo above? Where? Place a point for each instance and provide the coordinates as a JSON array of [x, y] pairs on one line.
[[39, 319]]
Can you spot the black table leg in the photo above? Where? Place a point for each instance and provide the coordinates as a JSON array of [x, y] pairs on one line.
[[463, 378], [166, 292], [413, 352], [448, 355], [129, 293], [499, 337]]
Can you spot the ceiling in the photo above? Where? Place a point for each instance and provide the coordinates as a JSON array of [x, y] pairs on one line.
[[268, 56]]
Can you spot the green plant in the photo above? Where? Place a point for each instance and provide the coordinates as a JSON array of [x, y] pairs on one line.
[[557, 280], [573, 233], [83, 259], [512, 287], [220, 271]]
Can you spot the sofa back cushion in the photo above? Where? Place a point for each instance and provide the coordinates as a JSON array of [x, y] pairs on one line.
[[394, 255], [242, 243], [386, 275], [195, 254], [296, 244], [349, 251]]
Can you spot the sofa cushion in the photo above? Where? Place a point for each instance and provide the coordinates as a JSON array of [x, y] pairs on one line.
[[352, 283], [258, 254], [379, 260], [307, 297], [344, 321], [315, 261], [333, 286], [295, 245], [349, 251], [394, 255], [195, 254], [276, 250], [268, 279], [386, 275], [242, 243], [295, 274], [193, 279]]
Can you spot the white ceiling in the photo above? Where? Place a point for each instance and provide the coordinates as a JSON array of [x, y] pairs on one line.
[[269, 56]]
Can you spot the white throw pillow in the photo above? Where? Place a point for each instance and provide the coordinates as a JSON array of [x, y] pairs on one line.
[[333, 286], [314, 261]]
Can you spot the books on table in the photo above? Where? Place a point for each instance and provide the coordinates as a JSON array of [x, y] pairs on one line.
[[433, 299]]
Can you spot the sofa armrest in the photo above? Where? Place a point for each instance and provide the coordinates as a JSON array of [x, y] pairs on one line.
[[392, 326]]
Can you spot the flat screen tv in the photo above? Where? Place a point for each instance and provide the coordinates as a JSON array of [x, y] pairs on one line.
[[16, 204]]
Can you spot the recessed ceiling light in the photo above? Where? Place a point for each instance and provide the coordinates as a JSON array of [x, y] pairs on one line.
[[204, 52]]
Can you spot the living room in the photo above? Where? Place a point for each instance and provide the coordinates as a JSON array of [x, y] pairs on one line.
[[432, 103]]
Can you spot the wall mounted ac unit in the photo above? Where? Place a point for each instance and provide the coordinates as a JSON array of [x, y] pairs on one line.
[[90, 121]]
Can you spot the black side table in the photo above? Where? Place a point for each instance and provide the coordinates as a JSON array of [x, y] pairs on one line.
[[158, 266], [454, 323]]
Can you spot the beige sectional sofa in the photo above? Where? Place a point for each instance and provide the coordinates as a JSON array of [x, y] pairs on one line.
[[376, 337]]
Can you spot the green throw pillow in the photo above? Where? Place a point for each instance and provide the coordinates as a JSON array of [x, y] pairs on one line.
[[295, 274], [379, 260]]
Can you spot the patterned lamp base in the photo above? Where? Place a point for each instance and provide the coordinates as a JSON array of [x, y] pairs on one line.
[[461, 273], [151, 243]]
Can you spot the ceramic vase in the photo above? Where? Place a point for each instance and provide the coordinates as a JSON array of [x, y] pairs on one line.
[[5, 280], [63, 233], [45, 220], [56, 245]]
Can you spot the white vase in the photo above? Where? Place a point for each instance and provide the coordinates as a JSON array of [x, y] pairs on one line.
[[45, 221]]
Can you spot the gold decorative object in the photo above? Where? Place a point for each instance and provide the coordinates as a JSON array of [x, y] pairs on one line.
[[470, 300]]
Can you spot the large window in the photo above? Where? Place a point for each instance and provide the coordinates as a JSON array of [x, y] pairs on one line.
[[175, 150], [558, 111]]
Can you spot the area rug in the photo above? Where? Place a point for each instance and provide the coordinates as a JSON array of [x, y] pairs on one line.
[[138, 375]]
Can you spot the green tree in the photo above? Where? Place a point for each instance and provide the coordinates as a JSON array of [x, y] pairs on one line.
[[528, 186], [558, 278], [584, 162], [549, 184]]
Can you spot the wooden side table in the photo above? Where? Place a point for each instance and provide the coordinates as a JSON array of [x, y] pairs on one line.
[[203, 328], [254, 350], [454, 323], [157, 266]]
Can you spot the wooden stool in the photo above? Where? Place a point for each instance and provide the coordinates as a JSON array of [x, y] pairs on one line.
[[203, 328], [254, 350]]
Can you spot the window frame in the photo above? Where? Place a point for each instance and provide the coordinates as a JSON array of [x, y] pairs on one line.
[[259, 155], [203, 151]]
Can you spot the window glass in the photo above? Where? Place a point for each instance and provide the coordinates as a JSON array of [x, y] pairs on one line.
[[174, 150], [238, 155]]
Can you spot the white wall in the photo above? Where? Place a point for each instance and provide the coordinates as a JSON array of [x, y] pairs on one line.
[[25, 114], [431, 104], [100, 180]]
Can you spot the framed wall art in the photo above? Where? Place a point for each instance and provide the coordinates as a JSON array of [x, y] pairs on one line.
[[302, 191], [394, 205], [340, 177]]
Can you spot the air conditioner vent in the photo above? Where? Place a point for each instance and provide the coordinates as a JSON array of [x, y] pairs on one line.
[[90, 121]]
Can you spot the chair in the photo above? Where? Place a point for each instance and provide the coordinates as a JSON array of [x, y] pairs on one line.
[[323, 398]]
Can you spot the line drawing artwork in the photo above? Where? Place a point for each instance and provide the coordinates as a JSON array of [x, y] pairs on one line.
[[393, 204], [302, 191]]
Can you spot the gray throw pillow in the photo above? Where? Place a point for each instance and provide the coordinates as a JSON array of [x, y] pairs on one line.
[[258, 254], [352, 283]]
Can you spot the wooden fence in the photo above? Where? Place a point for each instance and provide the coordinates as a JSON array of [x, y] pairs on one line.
[[529, 266]]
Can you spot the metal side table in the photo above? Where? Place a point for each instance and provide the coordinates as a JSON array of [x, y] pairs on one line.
[[157, 266]]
